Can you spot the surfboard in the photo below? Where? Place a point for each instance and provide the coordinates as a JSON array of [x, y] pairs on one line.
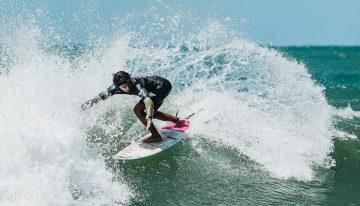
[[171, 134]]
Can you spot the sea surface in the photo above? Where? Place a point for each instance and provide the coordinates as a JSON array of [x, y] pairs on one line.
[[277, 126]]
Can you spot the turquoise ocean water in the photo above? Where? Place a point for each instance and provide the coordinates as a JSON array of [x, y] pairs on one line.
[[279, 125]]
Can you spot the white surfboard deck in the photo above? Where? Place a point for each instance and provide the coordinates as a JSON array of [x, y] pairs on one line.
[[139, 149]]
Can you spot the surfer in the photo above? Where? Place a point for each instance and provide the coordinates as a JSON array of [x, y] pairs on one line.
[[151, 89]]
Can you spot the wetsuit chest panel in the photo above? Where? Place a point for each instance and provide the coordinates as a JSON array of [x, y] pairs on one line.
[[149, 86]]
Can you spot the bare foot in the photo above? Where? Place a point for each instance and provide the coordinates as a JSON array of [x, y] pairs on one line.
[[153, 138], [179, 122]]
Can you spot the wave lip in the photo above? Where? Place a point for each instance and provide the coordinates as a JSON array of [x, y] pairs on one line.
[[262, 104]]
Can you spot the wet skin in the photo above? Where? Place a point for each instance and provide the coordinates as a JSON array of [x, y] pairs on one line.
[[139, 110]]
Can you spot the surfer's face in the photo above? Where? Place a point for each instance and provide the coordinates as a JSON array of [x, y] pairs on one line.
[[125, 87]]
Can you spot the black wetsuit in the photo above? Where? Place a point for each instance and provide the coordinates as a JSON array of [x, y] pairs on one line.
[[155, 87]]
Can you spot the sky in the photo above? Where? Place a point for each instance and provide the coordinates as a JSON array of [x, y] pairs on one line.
[[275, 22]]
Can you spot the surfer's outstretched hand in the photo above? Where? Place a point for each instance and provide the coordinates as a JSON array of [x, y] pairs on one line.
[[90, 103], [86, 105]]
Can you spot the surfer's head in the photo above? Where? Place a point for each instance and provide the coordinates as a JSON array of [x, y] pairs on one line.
[[122, 79]]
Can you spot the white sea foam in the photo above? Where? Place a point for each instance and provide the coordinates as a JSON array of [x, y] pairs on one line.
[[346, 112], [274, 114], [44, 156]]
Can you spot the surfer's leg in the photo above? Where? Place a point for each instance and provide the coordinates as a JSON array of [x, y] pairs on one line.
[[165, 116], [162, 115], [139, 110]]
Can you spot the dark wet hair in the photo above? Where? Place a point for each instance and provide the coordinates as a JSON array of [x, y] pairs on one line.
[[121, 77]]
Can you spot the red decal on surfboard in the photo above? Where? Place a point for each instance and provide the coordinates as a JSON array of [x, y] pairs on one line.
[[180, 127]]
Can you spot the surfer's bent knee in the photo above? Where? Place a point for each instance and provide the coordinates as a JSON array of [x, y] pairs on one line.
[[137, 108]]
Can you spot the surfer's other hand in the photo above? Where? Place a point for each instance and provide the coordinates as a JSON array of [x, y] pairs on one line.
[[148, 124]]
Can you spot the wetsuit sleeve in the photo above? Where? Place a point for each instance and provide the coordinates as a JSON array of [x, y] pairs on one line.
[[149, 104], [143, 93], [149, 107], [108, 92], [102, 96]]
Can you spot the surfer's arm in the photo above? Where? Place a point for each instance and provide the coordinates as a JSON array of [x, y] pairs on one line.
[[149, 104], [149, 107], [102, 96]]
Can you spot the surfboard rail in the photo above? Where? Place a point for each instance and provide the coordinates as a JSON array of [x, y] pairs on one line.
[[171, 134]]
